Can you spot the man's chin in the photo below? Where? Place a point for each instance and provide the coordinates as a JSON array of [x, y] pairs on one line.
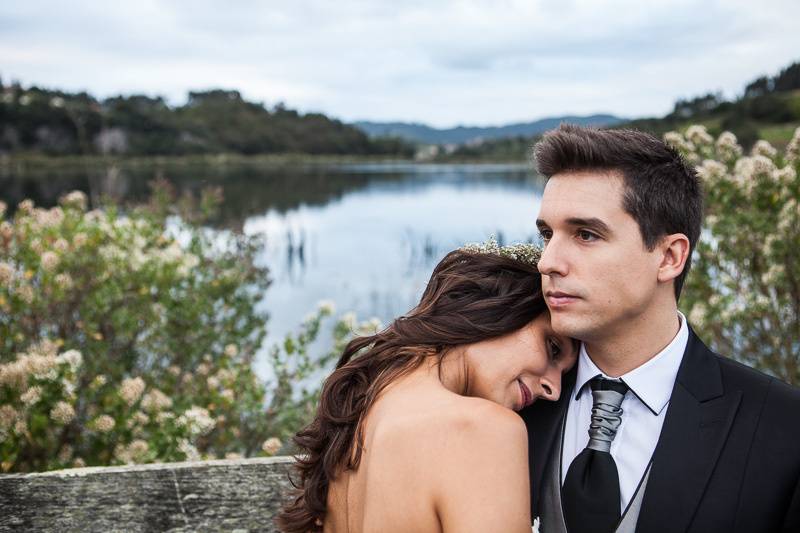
[[570, 325]]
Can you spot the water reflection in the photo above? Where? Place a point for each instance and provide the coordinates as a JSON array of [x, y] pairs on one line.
[[372, 249], [364, 236]]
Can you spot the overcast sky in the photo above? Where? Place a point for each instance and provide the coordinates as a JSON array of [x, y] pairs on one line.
[[439, 62]]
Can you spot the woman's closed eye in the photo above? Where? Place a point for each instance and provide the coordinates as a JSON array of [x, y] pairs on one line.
[[554, 348]]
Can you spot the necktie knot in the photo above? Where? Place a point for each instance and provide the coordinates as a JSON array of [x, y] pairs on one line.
[[590, 495], [606, 412]]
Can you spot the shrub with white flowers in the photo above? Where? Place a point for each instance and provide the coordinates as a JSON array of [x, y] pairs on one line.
[[743, 293], [121, 343]]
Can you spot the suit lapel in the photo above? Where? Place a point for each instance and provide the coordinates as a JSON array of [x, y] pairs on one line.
[[697, 423], [542, 420]]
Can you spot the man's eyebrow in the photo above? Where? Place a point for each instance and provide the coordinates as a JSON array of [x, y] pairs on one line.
[[541, 223], [592, 223]]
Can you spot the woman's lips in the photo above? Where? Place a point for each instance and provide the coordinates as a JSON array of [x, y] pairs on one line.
[[525, 393]]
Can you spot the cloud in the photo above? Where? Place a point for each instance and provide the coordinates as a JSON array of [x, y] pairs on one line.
[[439, 62]]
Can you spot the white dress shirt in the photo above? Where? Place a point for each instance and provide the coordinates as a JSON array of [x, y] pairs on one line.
[[643, 410]]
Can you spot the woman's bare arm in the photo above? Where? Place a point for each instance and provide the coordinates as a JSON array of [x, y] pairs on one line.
[[482, 481]]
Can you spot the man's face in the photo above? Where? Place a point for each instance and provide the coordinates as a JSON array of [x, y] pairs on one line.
[[597, 275]]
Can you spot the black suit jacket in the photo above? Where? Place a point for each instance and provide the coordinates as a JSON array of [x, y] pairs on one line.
[[727, 460]]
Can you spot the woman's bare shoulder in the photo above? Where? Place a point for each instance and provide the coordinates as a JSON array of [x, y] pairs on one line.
[[481, 425], [450, 425], [459, 453], [484, 460]]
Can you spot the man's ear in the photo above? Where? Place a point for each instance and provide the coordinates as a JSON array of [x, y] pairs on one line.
[[674, 253]]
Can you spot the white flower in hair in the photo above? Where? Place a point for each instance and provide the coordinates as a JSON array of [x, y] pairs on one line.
[[529, 253]]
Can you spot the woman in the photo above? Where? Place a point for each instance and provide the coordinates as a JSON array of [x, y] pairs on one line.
[[415, 429]]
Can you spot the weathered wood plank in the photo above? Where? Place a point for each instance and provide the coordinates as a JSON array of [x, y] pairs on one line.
[[226, 495]]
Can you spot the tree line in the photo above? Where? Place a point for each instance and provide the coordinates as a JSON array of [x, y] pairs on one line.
[[55, 122]]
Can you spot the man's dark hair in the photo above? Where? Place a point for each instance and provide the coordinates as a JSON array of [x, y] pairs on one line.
[[662, 192]]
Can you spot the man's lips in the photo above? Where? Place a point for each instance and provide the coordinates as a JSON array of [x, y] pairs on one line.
[[525, 392], [556, 299]]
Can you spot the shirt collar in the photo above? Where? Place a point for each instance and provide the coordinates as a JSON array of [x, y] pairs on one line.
[[651, 382]]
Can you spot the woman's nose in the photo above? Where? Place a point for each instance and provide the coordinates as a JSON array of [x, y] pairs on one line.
[[551, 387]]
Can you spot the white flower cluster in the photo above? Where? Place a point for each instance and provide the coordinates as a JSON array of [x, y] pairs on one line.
[[137, 421], [189, 450], [350, 320], [131, 390], [271, 446], [135, 452], [103, 423], [370, 327], [49, 261], [76, 199], [31, 396], [73, 358], [64, 281], [155, 400], [711, 171], [197, 420], [26, 206], [699, 136], [727, 145], [762, 147], [45, 218], [8, 418], [63, 413], [326, 307], [39, 363], [231, 350], [7, 273], [527, 253], [6, 230], [749, 170], [789, 217], [679, 142]]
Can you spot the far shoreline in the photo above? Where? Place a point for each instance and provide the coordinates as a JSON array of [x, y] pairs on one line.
[[33, 162]]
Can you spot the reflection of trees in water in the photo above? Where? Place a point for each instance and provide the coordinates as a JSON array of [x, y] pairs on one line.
[[249, 188], [295, 255]]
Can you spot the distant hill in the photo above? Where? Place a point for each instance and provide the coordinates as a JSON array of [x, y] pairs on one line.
[[421, 133], [768, 108]]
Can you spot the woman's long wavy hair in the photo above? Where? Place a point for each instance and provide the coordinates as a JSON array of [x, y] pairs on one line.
[[470, 297]]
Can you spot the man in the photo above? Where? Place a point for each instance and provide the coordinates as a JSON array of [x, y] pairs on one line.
[[653, 432]]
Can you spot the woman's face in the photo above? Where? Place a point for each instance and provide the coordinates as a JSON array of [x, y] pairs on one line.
[[517, 369]]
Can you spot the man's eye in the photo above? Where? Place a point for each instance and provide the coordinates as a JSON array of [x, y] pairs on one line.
[[545, 234], [587, 236]]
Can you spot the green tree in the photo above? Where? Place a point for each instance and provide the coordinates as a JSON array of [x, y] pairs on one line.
[[743, 294]]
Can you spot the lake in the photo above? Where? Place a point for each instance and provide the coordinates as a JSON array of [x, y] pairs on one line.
[[365, 236]]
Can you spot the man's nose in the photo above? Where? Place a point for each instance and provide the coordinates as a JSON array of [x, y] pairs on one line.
[[552, 261]]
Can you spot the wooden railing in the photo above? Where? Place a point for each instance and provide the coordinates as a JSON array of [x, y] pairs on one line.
[[240, 495]]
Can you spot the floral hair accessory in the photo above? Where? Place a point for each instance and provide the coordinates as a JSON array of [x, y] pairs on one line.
[[528, 253]]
